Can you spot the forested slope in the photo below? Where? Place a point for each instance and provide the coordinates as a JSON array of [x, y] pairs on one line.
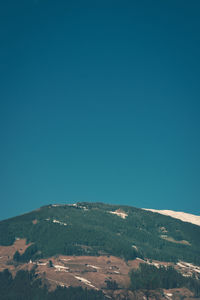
[[97, 228]]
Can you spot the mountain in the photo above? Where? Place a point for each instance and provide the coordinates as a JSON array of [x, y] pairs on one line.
[[109, 249]]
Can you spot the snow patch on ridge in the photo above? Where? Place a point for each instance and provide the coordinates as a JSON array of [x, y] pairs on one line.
[[56, 222], [87, 282], [119, 213], [185, 217]]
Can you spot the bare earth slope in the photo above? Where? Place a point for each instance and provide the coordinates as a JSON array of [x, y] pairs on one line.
[[93, 272]]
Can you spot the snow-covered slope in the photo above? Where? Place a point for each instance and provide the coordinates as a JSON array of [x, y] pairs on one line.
[[185, 217]]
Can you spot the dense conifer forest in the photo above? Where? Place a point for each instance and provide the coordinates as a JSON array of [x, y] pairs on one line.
[[91, 229], [150, 277]]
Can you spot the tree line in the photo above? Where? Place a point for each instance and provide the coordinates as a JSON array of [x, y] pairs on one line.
[[27, 286], [150, 277]]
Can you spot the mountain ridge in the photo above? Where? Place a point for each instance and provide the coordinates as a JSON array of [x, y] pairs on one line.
[[101, 246], [95, 228], [183, 216]]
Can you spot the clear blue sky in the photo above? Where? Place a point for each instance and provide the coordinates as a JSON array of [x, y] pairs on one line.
[[99, 101]]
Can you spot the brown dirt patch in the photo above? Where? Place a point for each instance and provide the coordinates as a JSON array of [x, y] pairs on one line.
[[85, 271], [7, 252], [95, 270]]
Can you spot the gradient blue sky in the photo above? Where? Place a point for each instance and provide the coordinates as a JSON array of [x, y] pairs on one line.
[[99, 101]]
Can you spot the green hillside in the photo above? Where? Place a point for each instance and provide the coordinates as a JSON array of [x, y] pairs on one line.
[[91, 229]]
